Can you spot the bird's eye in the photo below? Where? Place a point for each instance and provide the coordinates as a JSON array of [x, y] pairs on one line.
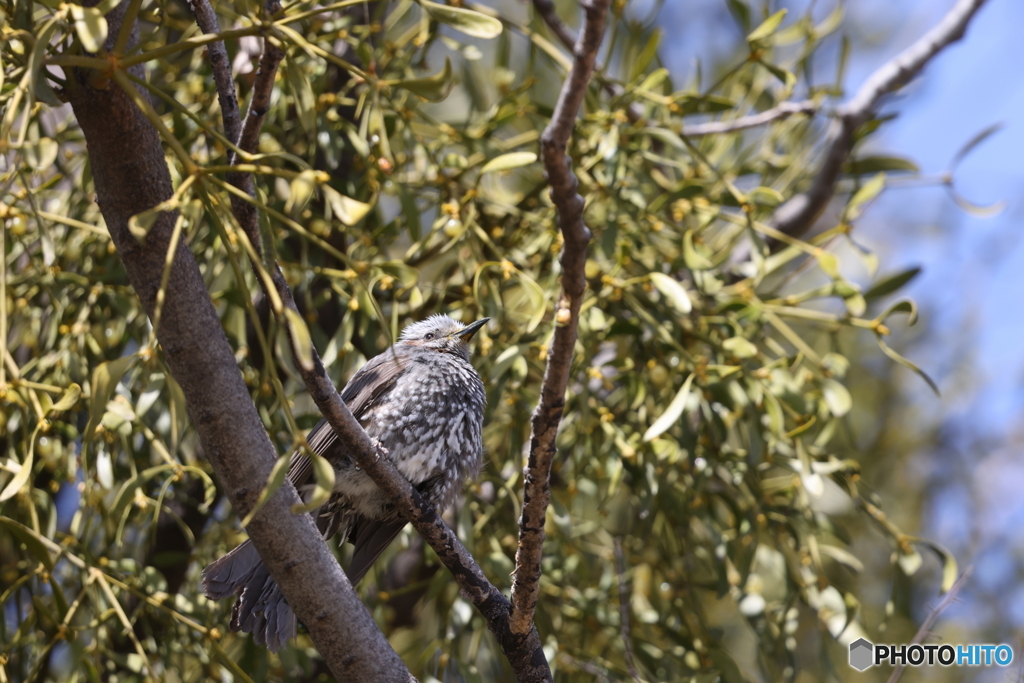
[[428, 335]]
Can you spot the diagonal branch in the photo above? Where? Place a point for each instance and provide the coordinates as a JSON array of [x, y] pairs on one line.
[[797, 215], [783, 111], [548, 414]]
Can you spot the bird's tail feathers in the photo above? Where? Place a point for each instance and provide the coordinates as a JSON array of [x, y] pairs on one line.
[[260, 607]]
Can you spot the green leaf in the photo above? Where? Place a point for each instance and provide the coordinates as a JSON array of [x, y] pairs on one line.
[[907, 364], [345, 209], [91, 27], [740, 347], [324, 472], [837, 397], [468, 21], [909, 562], [765, 196], [127, 493], [24, 471], [691, 257], [891, 283], [300, 190], [786, 77], [905, 306], [672, 290], [506, 162], [277, 477], [305, 102], [829, 263], [672, 413], [865, 194], [68, 399], [301, 341], [31, 539], [767, 27], [104, 379], [432, 88], [950, 571], [877, 163]]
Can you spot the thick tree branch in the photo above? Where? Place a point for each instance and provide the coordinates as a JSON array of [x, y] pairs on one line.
[[131, 176], [548, 414], [783, 111], [797, 215]]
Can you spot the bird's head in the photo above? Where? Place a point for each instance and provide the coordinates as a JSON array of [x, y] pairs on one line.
[[441, 333]]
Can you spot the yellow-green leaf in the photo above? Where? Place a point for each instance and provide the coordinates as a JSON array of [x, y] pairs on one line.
[[672, 290], [740, 347], [68, 399], [693, 259], [767, 27], [506, 162], [104, 378], [865, 194], [277, 477], [301, 341], [432, 88], [91, 27], [469, 22], [837, 397], [345, 209], [324, 473], [672, 413]]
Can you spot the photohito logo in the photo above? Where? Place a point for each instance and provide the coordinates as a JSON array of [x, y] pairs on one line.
[[864, 653]]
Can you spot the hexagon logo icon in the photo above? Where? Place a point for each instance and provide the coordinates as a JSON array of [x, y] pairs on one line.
[[861, 654]]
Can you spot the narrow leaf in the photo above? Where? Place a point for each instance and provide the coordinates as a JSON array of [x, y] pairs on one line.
[[767, 27], [672, 413], [91, 27], [301, 341], [432, 88], [324, 485], [469, 22], [672, 290], [277, 477], [506, 162], [891, 283]]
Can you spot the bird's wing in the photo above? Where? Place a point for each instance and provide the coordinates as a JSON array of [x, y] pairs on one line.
[[370, 539], [366, 387]]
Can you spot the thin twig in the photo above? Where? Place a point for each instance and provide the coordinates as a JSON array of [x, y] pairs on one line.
[[548, 414], [568, 38], [620, 571], [206, 19], [797, 215], [546, 10], [926, 627], [783, 111]]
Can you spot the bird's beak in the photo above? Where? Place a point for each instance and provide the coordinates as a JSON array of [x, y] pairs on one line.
[[467, 332]]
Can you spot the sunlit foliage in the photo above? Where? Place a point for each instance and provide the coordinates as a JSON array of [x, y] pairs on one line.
[[398, 177]]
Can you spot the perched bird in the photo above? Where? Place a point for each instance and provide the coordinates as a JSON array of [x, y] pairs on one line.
[[424, 402]]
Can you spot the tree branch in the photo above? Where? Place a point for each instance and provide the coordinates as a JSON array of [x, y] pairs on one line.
[[206, 18], [548, 414], [926, 627], [131, 176], [783, 111], [796, 216], [523, 650]]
